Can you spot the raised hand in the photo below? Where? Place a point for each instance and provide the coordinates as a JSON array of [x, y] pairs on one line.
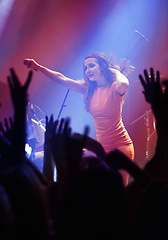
[[7, 129], [118, 161], [92, 145], [48, 165], [6, 135], [126, 68], [50, 129], [18, 92], [74, 148], [157, 96], [31, 63], [67, 152], [19, 99], [152, 89], [58, 140]]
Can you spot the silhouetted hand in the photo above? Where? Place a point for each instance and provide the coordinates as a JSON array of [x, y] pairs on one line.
[[92, 145], [48, 165], [19, 100], [58, 140], [7, 129], [67, 152], [50, 130], [6, 135], [118, 161], [152, 89], [74, 147], [18, 92], [155, 95]]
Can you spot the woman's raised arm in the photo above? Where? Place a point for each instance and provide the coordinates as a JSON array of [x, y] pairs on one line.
[[75, 85], [122, 81]]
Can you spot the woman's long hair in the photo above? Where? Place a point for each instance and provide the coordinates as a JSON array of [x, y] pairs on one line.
[[104, 65], [125, 68]]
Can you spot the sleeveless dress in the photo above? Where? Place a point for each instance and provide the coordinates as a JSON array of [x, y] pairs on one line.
[[106, 110]]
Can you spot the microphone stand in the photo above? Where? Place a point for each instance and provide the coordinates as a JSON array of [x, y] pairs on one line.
[[142, 37], [147, 133], [63, 104]]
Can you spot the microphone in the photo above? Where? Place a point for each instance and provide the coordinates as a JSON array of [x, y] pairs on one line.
[[141, 35], [27, 62]]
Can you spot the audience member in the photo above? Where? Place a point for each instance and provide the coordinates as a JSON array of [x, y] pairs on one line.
[[88, 200]]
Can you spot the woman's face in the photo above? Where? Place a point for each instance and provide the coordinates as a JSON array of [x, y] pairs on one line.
[[92, 69]]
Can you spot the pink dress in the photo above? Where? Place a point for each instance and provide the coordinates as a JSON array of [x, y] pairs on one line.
[[106, 109]]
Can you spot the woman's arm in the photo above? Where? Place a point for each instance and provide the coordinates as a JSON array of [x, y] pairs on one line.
[[122, 82], [75, 85]]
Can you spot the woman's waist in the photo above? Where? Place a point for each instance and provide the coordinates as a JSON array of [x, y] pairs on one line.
[[113, 134], [104, 126]]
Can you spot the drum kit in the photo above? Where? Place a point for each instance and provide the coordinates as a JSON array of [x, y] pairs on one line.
[[35, 127], [36, 134]]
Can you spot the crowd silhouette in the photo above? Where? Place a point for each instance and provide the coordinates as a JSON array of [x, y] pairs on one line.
[[88, 200]]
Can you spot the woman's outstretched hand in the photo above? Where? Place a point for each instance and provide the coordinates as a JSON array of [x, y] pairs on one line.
[[31, 63]]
